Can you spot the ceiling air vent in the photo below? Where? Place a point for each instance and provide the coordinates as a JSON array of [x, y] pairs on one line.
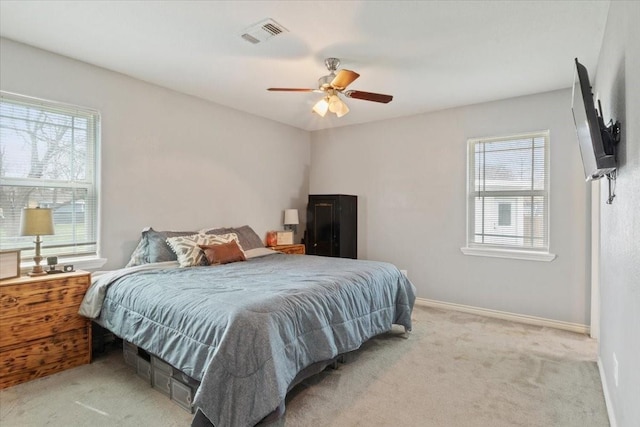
[[263, 31]]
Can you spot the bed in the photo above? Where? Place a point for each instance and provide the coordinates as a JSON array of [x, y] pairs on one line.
[[248, 331]]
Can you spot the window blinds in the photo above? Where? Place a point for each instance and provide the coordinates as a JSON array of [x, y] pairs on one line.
[[48, 159], [508, 192]]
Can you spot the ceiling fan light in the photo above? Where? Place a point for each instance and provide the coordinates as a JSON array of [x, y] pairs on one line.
[[321, 107], [334, 103], [343, 110]]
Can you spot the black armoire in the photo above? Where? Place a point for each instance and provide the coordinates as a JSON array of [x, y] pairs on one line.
[[332, 225]]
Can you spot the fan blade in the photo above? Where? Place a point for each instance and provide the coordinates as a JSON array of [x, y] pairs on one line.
[[343, 79], [289, 89], [368, 96]]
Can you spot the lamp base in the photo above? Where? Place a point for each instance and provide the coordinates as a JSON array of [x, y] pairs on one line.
[[291, 227], [37, 271]]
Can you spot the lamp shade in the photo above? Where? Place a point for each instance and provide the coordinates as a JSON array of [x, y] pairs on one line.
[[291, 217], [321, 107], [36, 222], [343, 109]]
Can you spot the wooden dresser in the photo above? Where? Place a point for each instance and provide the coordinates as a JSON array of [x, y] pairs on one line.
[[289, 249], [41, 332]]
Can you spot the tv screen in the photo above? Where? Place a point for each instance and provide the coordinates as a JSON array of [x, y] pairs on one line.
[[597, 159]]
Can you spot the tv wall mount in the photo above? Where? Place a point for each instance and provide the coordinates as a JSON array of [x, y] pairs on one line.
[[610, 134]]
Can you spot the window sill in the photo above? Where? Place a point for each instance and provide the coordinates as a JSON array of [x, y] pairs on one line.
[[512, 254], [79, 263]]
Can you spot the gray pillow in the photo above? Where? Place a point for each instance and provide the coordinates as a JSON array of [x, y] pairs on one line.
[[139, 255], [157, 248], [247, 237]]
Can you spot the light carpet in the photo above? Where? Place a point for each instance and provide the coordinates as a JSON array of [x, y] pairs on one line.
[[453, 369]]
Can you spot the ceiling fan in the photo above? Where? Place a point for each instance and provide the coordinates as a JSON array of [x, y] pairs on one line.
[[334, 84]]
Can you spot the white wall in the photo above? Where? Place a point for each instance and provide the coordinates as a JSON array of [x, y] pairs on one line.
[[618, 84], [410, 176], [177, 162], [169, 160]]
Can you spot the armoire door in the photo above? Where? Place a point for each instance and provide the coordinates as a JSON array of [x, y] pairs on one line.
[[322, 234], [332, 226]]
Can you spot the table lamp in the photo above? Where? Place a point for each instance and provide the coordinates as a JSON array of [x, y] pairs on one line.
[[291, 220], [36, 222]]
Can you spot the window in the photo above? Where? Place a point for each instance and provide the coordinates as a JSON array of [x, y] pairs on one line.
[[508, 196], [48, 158]]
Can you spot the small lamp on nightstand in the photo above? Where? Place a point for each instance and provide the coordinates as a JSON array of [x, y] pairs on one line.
[[36, 222], [291, 220]]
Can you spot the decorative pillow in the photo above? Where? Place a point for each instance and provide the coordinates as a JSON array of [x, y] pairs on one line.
[[223, 253], [247, 238], [157, 248], [188, 251], [139, 254]]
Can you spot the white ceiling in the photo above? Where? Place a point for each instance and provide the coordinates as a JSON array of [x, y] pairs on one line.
[[429, 55]]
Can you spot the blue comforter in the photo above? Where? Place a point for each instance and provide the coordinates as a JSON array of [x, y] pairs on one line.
[[246, 329]]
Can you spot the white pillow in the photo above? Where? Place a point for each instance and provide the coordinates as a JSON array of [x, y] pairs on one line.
[[189, 253], [258, 252]]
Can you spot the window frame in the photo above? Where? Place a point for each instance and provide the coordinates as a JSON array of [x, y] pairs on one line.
[[92, 187], [505, 251]]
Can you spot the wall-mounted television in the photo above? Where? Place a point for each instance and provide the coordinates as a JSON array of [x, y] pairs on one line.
[[597, 141]]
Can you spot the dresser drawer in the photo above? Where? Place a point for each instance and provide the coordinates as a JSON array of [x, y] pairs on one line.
[[41, 295], [50, 354], [18, 377], [39, 325]]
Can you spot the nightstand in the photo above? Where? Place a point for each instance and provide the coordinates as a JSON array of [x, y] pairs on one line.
[[289, 249], [41, 332]]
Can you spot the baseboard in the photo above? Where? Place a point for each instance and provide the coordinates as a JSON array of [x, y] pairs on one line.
[[607, 397], [514, 317]]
